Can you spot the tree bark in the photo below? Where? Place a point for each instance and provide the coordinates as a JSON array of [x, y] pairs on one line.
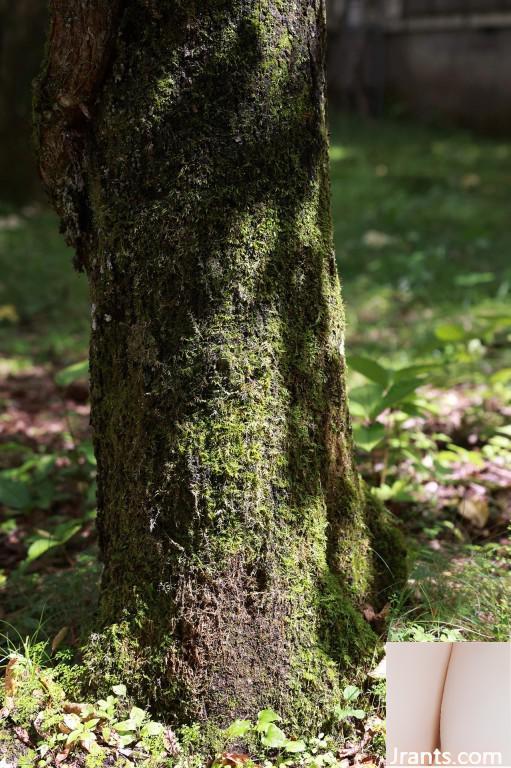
[[185, 148]]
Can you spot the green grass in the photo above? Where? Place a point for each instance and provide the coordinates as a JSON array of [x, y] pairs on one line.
[[442, 198], [423, 244]]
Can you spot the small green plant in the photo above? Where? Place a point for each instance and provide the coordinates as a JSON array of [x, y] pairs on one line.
[[350, 695], [277, 749], [35, 701], [417, 633], [114, 728], [41, 481], [271, 736]]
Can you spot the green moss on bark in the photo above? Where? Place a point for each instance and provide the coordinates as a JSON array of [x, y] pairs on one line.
[[237, 539]]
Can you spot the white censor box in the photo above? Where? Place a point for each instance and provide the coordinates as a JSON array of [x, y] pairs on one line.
[[448, 704]]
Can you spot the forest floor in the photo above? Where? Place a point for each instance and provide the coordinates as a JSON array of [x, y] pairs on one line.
[[423, 242]]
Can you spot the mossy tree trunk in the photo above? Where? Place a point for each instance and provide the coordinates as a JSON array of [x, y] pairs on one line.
[[184, 146]]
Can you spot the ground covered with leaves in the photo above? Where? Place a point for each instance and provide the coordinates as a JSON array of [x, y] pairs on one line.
[[423, 243]]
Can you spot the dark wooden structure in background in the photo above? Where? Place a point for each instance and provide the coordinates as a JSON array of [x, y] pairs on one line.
[[447, 58]]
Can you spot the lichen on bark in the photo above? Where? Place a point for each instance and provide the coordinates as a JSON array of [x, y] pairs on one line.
[[238, 542]]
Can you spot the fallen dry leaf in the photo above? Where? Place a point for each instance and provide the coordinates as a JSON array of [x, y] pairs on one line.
[[231, 759], [475, 509], [369, 613], [22, 735], [376, 618], [70, 722], [171, 743], [38, 723], [470, 181], [374, 725], [379, 672], [59, 637], [10, 677], [75, 708]]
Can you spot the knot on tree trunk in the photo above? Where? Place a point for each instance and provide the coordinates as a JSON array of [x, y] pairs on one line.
[[81, 40]]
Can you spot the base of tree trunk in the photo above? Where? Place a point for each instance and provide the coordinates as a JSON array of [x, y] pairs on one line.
[[218, 679]]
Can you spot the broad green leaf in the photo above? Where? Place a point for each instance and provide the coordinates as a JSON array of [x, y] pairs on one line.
[[14, 493], [88, 451], [365, 398], [119, 690], [450, 332], [43, 465], [295, 746], [369, 437], [357, 409], [238, 728], [73, 373], [474, 278], [126, 738], [137, 715], [265, 717], [397, 394], [88, 741], [59, 536], [65, 531], [457, 452], [273, 737], [412, 409], [151, 728], [40, 547], [398, 491], [351, 693], [411, 371], [338, 152], [501, 377], [126, 726], [369, 368], [342, 713]]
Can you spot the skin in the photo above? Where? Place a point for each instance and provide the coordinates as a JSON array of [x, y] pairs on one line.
[[415, 681], [476, 705], [450, 697]]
